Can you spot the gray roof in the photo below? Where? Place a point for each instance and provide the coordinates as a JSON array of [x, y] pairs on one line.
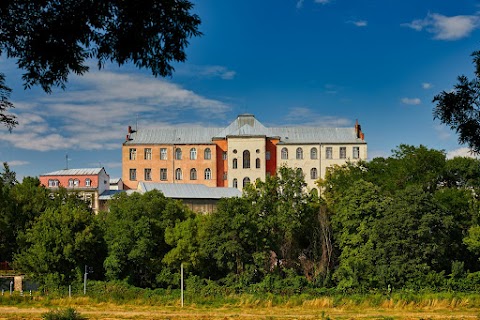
[[108, 194], [244, 126], [75, 172], [189, 191], [115, 180]]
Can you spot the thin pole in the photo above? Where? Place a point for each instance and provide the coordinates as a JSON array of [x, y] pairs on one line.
[[181, 281], [85, 281]]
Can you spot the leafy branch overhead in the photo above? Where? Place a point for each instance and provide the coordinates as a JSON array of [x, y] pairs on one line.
[[51, 39], [460, 108]]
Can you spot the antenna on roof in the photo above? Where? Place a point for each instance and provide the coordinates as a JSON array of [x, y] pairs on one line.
[[66, 160], [136, 124]]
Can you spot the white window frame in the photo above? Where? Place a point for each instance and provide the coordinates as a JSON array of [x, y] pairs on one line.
[[163, 153]]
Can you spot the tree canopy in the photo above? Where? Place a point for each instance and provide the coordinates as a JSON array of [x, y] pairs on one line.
[[50, 39], [460, 108]]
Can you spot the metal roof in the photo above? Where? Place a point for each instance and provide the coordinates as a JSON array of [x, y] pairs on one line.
[[244, 126], [75, 172], [189, 191]]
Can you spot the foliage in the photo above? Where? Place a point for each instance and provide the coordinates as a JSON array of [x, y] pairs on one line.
[[60, 243], [50, 39], [66, 314], [135, 236], [460, 107], [8, 120]]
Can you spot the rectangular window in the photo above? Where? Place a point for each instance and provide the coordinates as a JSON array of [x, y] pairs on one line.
[[163, 153], [224, 176], [267, 155], [133, 154], [343, 152], [148, 174], [356, 152], [148, 154], [163, 174], [328, 153], [224, 155], [133, 174]]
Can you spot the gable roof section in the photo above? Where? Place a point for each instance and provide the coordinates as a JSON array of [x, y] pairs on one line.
[[189, 191], [75, 172], [244, 126]]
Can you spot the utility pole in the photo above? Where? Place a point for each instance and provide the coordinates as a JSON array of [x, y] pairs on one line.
[[85, 280], [181, 281]]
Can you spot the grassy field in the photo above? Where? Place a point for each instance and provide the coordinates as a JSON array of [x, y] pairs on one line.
[[248, 307]]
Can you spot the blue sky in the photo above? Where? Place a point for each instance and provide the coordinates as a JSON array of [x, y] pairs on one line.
[[298, 62]]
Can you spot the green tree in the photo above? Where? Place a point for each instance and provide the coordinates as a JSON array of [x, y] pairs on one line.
[[60, 243], [460, 109], [135, 235], [51, 39]]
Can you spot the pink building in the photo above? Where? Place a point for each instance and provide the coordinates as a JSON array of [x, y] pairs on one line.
[[89, 183]]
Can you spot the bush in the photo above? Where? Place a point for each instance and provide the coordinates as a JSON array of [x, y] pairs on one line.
[[66, 314]]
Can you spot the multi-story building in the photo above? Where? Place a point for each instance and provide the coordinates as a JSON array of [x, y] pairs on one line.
[[234, 156], [88, 183]]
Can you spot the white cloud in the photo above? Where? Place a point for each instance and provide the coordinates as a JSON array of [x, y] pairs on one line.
[[461, 152], [95, 115], [322, 1], [358, 23], [206, 72], [427, 85], [443, 133], [299, 4], [308, 117], [17, 163], [446, 28], [411, 101]]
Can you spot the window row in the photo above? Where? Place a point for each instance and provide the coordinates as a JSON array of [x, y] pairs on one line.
[[207, 174], [328, 153], [71, 183], [246, 181], [207, 154], [246, 163]]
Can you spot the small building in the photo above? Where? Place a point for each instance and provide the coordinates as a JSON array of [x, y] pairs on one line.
[[197, 197], [88, 183], [116, 184]]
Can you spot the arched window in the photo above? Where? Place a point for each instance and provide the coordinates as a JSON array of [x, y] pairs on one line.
[[257, 163], [178, 174], [299, 153], [284, 153], [178, 154], [76, 183], [88, 182], [193, 174], [246, 159], [70, 182], [234, 163], [313, 153], [193, 154], [235, 183], [208, 174], [207, 154], [246, 181], [314, 173]]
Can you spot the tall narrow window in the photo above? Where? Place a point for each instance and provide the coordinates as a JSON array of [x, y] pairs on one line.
[[234, 163], [284, 153], [163, 174], [299, 153], [76, 183], [163, 153], [148, 174], [148, 153], [193, 154], [235, 183], [178, 174], [313, 173], [246, 181], [193, 174], [328, 153], [224, 155], [88, 182], [246, 159], [207, 154], [133, 174], [267, 155], [70, 183], [225, 176], [313, 153], [208, 174], [178, 154], [343, 152], [133, 154], [356, 152], [257, 163]]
